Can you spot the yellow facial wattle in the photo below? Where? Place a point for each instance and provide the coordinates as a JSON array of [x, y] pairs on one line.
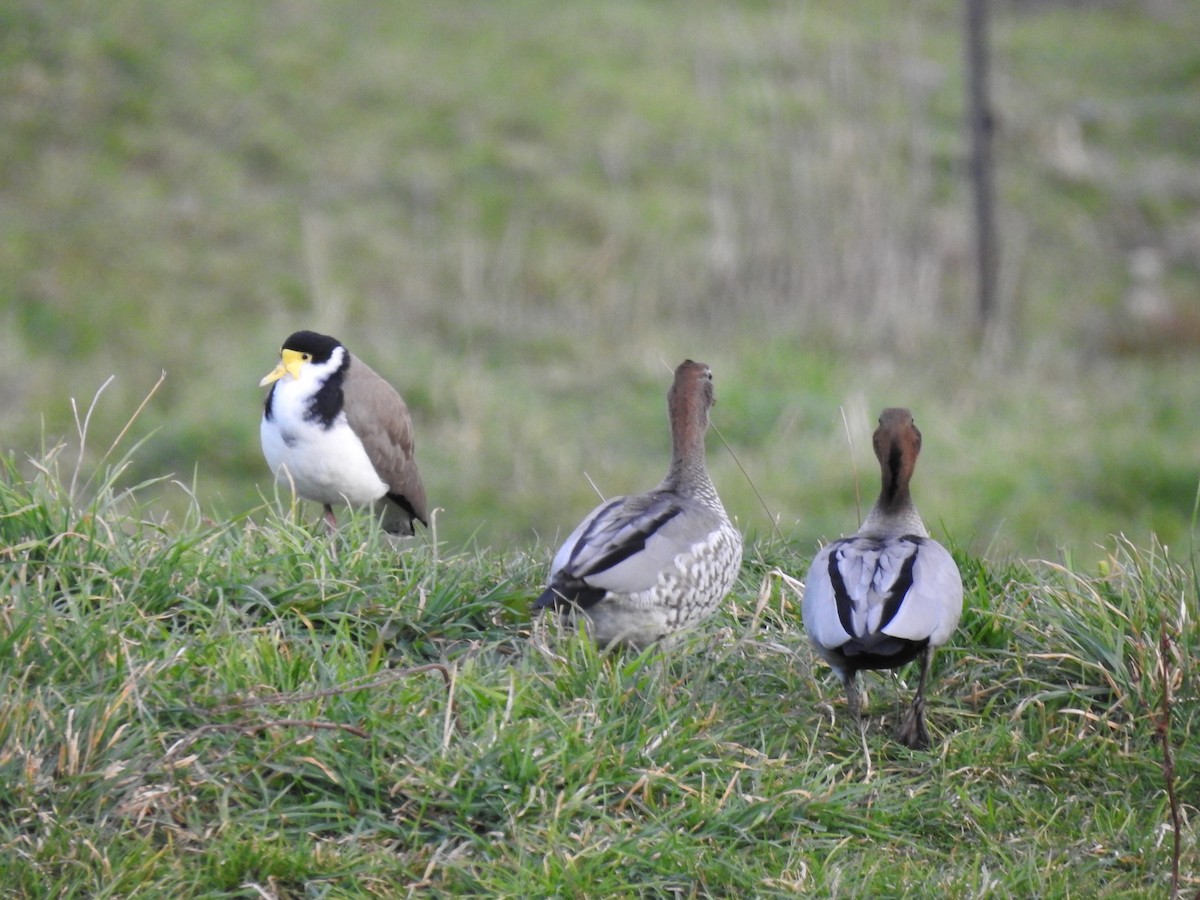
[[290, 363]]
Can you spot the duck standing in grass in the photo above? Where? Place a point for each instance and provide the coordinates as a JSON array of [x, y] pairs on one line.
[[887, 594], [643, 567], [339, 433]]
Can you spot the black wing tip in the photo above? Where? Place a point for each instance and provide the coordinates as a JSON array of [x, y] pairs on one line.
[[566, 597], [548, 600], [409, 509]]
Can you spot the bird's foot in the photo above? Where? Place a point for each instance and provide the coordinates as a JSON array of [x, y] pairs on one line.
[[913, 732]]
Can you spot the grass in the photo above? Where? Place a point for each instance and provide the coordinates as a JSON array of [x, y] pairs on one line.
[[524, 218], [249, 708]]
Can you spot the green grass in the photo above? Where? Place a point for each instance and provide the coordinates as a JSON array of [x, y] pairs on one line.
[[524, 216], [248, 708]]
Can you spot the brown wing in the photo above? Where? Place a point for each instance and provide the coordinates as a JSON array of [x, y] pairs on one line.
[[379, 417]]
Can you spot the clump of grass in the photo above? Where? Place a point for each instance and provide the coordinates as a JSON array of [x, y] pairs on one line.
[[1107, 628]]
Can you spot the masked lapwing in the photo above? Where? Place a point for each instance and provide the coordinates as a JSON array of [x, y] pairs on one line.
[[337, 433]]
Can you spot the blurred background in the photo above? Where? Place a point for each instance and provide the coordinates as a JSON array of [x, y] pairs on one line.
[[524, 214]]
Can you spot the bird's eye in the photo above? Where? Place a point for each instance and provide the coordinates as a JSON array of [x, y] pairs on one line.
[[306, 356]]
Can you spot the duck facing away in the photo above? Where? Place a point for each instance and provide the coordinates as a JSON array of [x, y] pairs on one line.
[[889, 593], [643, 567], [339, 433]]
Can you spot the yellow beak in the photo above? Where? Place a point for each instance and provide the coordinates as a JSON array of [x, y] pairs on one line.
[[290, 363]]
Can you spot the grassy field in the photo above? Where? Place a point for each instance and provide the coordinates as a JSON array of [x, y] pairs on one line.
[[244, 709], [524, 215]]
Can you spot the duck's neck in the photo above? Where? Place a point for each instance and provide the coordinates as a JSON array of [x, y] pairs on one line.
[[894, 511], [688, 473], [888, 519]]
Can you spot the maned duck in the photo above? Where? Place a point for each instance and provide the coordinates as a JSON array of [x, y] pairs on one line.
[[888, 593], [643, 567]]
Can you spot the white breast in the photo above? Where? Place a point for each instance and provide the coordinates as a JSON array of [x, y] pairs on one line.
[[328, 465]]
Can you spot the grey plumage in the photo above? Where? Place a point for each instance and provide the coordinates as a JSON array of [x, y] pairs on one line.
[[889, 593], [642, 567], [379, 416]]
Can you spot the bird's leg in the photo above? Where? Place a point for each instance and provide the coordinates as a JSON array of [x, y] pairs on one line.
[[854, 701], [853, 698], [913, 732], [330, 519]]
